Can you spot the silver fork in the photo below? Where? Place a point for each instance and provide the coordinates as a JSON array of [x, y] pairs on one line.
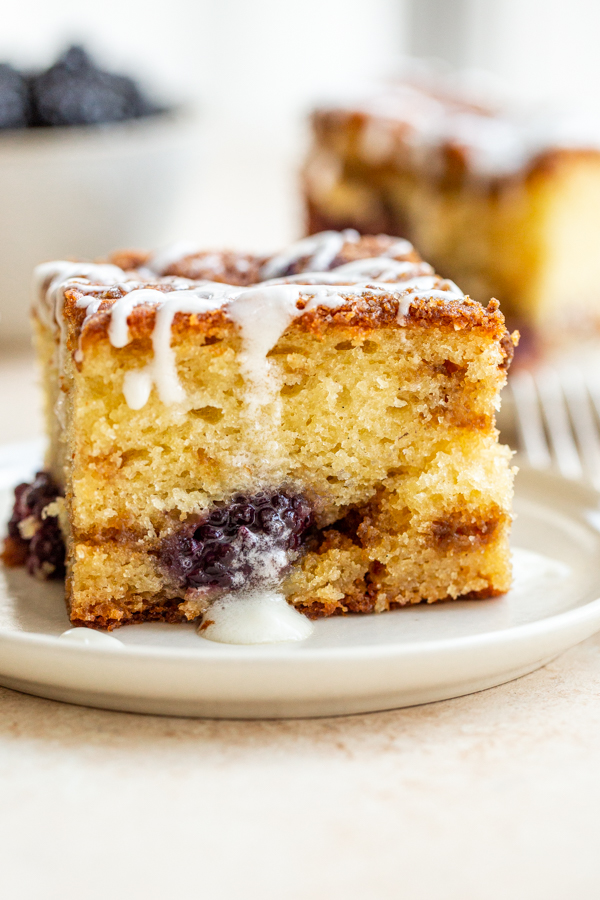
[[557, 412]]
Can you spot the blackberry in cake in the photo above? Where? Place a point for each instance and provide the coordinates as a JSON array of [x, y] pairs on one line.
[[318, 424], [505, 202]]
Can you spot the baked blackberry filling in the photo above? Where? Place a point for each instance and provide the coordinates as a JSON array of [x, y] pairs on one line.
[[251, 541], [34, 535]]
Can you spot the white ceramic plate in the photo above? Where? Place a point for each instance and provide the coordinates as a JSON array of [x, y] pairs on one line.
[[349, 665]]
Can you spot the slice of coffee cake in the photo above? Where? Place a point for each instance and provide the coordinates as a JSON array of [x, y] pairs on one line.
[[319, 423], [504, 201]]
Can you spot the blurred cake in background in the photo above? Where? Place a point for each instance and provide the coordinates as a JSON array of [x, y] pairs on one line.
[[504, 201]]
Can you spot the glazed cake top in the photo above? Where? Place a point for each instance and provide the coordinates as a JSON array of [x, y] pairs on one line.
[[333, 276], [437, 124]]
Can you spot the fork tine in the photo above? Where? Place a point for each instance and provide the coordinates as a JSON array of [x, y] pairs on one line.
[[593, 383], [529, 420], [582, 416], [558, 423]]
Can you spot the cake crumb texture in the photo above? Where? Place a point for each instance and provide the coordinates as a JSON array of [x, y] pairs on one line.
[[368, 426]]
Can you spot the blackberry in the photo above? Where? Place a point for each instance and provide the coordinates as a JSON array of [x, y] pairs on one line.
[[251, 540], [45, 550], [46, 557], [14, 98], [75, 92]]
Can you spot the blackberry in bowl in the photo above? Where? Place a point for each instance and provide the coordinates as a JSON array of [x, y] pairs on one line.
[[15, 102], [74, 91], [87, 159]]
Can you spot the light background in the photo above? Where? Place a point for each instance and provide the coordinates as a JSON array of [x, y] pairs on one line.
[[253, 69]]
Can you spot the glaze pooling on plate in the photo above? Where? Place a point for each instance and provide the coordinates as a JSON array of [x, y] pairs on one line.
[[255, 617], [88, 637]]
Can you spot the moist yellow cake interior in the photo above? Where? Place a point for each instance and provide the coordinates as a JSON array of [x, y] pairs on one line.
[[388, 431]]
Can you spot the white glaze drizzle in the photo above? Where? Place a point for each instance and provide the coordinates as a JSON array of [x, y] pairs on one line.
[[163, 259], [137, 387], [262, 312], [50, 283], [163, 367], [401, 247], [53, 278], [362, 270], [319, 249], [118, 330]]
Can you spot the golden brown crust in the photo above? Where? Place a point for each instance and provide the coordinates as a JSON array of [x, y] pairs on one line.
[[168, 611], [371, 246], [128, 260], [223, 266], [365, 603], [369, 312], [244, 269], [359, 603], [321, 609], [365, 310]]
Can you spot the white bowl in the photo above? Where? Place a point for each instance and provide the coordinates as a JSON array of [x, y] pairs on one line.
[[81, 192]]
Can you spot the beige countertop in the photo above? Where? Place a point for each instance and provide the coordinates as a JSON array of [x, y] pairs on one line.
[[488, 796]]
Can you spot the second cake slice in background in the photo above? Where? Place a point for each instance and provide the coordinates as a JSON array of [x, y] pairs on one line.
[[505, 202]]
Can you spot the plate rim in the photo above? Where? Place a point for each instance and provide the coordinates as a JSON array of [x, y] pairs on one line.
[[277, 653]]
